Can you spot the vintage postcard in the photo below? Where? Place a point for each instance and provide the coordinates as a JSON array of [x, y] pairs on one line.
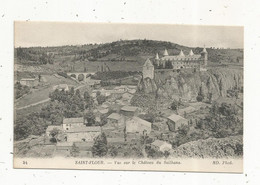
[[128, 96]]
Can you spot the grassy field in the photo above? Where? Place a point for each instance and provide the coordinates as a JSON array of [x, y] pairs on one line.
[[42, 93]]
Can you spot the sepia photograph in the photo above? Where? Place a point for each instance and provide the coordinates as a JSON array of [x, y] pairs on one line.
[[117, 96]]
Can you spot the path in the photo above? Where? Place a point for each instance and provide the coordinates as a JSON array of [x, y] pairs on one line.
[[42, 101]]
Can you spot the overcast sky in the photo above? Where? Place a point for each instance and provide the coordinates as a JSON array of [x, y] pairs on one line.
[[29, 34]]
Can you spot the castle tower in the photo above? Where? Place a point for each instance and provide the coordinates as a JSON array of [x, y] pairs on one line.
[[204, 55], [148, 69], [165, 53]]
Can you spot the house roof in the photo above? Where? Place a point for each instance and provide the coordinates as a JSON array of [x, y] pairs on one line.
[[64, 144], [187, 109], [103, 111], [131, 86], [132, 91], [181, 57], [127, 94], [141, 121], [175, 117], [51, 127], [158, 143], [27, 79], [115, 116], [129, 108], [73, 120], [84, 129]]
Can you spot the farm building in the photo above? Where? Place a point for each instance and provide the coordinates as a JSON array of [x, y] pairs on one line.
[[175, 121], [82, 134], [138, 125], [161, 146]]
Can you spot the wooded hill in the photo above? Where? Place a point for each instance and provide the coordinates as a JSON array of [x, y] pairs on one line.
[[123, 50]]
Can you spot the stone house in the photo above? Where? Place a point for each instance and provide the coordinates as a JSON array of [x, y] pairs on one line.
[[175, 121]]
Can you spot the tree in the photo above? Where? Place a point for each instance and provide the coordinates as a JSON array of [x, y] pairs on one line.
[[100, 146], [81, 77], [90, 117], [74, 152], [200, 96], [175, 105], [183, 130], [101, 99], [54, 134]]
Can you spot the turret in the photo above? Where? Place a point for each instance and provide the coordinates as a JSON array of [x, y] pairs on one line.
[[157, 62], [165, 53], [181, 54], [191, 53], [157, 57], [204, 55]]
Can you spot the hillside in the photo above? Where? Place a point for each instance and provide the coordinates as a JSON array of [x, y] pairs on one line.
[[123, 51], [211, 148]]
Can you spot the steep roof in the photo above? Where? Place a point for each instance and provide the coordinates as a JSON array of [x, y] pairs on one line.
[[191, 53], [148, 63], [181, 53], [73, 120], [175, 117], [157, 56], [204, 50], [141, 121], [115, 116], [129, 108], [165, 53]]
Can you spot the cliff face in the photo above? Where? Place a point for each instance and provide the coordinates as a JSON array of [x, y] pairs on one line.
[[187, 84]]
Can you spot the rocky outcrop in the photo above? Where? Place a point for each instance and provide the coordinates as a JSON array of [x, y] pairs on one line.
[[211, 148], [187, 84]]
